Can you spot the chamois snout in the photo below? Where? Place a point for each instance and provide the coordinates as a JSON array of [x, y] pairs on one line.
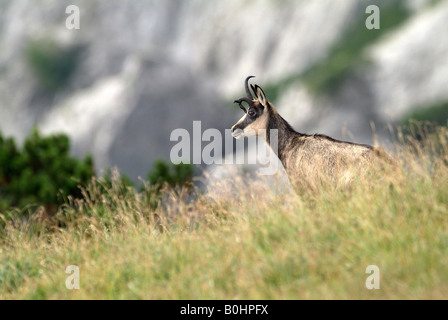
[[237, 133]]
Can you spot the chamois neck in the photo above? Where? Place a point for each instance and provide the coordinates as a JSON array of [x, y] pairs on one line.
[[285, 134]]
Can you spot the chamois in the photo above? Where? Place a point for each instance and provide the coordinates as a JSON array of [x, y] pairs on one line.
[[308, 159]]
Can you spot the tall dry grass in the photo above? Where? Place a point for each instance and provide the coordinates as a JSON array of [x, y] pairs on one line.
[[247, 241]]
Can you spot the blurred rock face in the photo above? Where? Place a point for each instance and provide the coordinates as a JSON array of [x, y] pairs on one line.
[[148, 67]]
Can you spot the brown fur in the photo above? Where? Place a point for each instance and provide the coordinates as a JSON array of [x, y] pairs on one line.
[[310, 160]]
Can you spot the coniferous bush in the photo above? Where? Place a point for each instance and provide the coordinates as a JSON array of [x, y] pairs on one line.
[[170, 174], [42, 172]]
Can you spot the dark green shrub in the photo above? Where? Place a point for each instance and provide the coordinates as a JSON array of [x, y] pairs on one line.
[[177, 177], [437, 113], [171, 174], [41, 173], [113, 177], [425, 119]]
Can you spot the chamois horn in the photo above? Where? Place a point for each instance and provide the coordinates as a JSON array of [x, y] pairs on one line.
[[239, 101], [246, 86], [249, 99]]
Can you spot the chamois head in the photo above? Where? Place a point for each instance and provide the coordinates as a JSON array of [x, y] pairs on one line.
[[256, 115]]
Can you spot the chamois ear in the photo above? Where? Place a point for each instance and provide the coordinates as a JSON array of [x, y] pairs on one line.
[[253, 89], [261, 96]]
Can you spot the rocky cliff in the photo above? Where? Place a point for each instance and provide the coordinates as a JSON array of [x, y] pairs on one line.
[[143, 68]]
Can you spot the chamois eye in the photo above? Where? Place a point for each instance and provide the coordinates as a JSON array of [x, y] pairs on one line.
[[251, 113]]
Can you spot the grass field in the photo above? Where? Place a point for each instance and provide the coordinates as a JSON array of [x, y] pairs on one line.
[[253, 244]]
